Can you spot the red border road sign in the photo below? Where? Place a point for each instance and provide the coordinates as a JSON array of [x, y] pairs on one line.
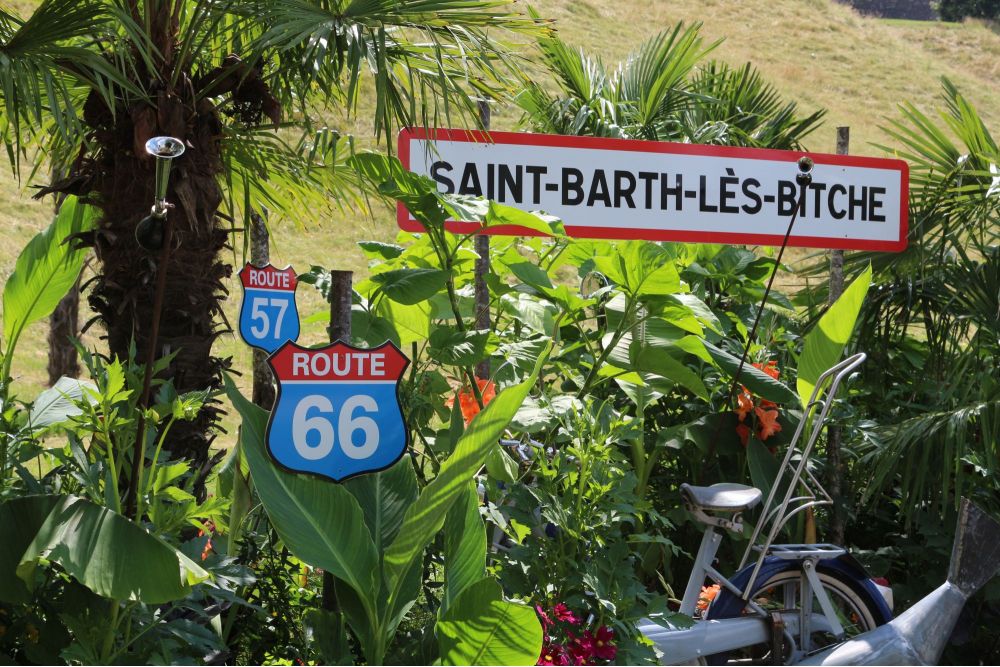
[[660, 191]]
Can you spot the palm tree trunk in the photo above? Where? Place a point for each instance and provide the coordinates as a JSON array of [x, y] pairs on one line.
[[123, 291], [64, 326]]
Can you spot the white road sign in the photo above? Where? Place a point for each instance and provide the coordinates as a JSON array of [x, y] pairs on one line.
[[659, 191]]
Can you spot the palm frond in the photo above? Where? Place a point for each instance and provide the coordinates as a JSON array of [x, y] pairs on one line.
[[664, 92], [431, 60], [925, 456], [44, 60], [655, 77], [310, 174]]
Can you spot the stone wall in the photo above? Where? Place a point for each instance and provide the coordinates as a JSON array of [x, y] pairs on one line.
[[919, 10]]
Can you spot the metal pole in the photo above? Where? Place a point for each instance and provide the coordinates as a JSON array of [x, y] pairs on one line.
[[340, 329], [164, 150], [482, 267], [833, 432], [260, 255]]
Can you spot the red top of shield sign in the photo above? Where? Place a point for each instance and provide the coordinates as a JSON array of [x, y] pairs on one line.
[[660, 191], [269, 277], [339, 362]]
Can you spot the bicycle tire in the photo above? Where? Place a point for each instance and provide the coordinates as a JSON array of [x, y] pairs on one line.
[[860, 605]]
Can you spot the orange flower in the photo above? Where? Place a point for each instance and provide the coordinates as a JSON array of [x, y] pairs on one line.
[[771, 368], [744, 404], [467, 399], [708, 594], [743, 431], [767, 423]]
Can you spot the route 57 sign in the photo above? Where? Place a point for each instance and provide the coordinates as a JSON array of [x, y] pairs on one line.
[[337, 413], [268, 316]]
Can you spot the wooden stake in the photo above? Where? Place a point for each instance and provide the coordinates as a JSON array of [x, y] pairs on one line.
[[260, 255], [482, 268], [340, 329], [833, 434]]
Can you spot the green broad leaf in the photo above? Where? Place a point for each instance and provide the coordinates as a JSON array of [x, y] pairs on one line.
[[700, 310], [59, 402], [514, 361], [461, 348], [763, 465], [642, 395], [412, 324], [659, 362], [641, 268], [417, 193], [240, 503], [661, 281], [411, 286], [481, 628], [368, 329], [531, 312], [327, 633], [755, 380], [464, 546], [536, 417], [568, 300], [379, 250], [530, 274], [503, 215], [384, 497], [20, 520], [320, 522], [425, 517], [46, 269], [109, 554], [500, 465], [824, 345]]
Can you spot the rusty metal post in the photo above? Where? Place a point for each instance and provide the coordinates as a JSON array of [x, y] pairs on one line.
[[260, 255], [482, 267]]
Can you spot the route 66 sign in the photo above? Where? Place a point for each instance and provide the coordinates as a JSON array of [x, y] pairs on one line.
[[268, 316], [337, 413]]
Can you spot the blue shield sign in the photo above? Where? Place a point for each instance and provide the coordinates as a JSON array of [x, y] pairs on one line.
[[268, 315], [337, 413]]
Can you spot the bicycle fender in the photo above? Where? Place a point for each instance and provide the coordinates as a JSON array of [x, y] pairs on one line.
[[729, 605]]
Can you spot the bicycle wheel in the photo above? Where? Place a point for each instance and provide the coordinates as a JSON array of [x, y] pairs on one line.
[[857, 610]]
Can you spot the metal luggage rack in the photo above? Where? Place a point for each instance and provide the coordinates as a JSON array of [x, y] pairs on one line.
[[794, 471]]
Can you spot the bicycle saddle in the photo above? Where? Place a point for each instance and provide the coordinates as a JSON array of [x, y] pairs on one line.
[[721, 497]]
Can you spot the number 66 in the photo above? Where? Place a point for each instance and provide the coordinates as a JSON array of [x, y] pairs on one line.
[[347, 424]]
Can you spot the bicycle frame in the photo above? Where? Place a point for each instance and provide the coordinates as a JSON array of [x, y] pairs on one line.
[[707, 637]]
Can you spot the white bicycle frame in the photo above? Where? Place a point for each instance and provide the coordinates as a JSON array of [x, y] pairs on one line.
[[707, 637]]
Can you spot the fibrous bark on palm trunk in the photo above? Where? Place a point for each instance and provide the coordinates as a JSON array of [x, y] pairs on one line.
[[122, 294]]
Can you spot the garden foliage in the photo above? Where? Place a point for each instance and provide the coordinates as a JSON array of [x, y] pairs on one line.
[[536, 517]]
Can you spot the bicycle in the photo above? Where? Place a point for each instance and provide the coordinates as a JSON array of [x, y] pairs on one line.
[[789, 600]]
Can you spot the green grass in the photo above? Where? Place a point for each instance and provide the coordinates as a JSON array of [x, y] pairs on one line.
[[818, 52]]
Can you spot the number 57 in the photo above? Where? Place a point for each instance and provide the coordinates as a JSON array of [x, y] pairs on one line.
[[257, 313]]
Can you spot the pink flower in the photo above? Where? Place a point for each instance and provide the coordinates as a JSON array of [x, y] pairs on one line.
[[553, 654], [562, 613], [603, 648], [581, 649], [546, 621]]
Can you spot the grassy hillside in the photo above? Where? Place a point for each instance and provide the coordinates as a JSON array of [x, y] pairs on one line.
[[818, 52]]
